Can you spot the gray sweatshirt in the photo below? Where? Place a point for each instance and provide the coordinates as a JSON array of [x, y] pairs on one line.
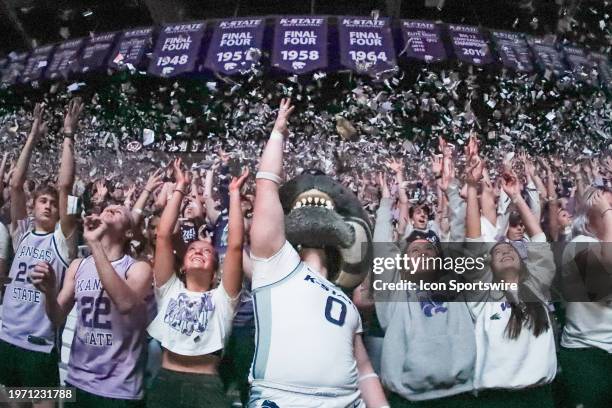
[[429, 348]]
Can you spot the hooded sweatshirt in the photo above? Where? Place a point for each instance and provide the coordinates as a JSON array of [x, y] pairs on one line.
[[429, 346]]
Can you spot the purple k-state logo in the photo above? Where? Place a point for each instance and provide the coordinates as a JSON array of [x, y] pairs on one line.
[[429, 307]]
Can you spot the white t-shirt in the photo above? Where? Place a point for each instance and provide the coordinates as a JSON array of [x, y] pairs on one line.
[[192, 323], [587, 324], [507, 363], [306, 327]]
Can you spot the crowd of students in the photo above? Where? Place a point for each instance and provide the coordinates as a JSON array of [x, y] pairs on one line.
[[196, 262]]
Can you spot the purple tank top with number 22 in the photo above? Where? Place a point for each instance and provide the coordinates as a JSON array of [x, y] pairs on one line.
[[106, 357]]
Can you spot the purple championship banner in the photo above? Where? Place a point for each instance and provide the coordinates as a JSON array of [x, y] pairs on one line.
[[64, 59], [423, 41], [513, 50], [366, 44], [547, 56], [131, 48], [177, 49], [16, 64], [300, 44], [235, 45], [94, 54], [469, 44], [578, 62], [604, 70], [37, 62]]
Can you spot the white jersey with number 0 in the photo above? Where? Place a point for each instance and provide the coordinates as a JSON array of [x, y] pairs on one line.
[[306, 327]]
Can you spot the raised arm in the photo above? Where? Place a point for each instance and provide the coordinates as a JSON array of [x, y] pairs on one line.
[[268, 228], [232, 265], [511, 187], [404, 205], [473, 177], [211, 211], [154, 181], [127, 294], [553, 203], [65, 181], [487, 199], [164, 252], [18, 198]]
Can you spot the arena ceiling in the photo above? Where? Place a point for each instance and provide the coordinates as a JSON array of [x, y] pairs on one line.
[[27, 23]]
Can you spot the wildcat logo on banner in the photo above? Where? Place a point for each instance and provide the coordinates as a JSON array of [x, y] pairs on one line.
[[95, 52], [177, 49], [300, 44], [366, 44], [235, 46], [64, 60], [36, 65], [422, 41], [470, 45], [131, 48], [513, 50]]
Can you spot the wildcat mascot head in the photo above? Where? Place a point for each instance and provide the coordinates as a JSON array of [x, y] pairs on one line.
[[321, 213]]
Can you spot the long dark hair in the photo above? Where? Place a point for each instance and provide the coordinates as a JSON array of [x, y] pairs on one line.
[[531, 314], [527, 311]]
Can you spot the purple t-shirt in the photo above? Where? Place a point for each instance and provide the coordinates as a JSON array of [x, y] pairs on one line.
[[106, 356]]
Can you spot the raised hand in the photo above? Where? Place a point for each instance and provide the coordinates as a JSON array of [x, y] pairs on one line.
[[529, 167], [546, 165], [93, 228], [101, 189], [510, 185], [155, 180], [181, 176], [472, 146], [39, 127], [284, 112], [43, 278], [395, 164], [129, 194], [474, 170], [384, 187], [237, 182], [71, 118]]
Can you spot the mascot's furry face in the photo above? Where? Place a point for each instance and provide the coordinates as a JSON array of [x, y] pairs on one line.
[[321, 213]]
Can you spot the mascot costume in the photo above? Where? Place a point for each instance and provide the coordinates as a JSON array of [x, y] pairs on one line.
[[310, 241], [321, 213]]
